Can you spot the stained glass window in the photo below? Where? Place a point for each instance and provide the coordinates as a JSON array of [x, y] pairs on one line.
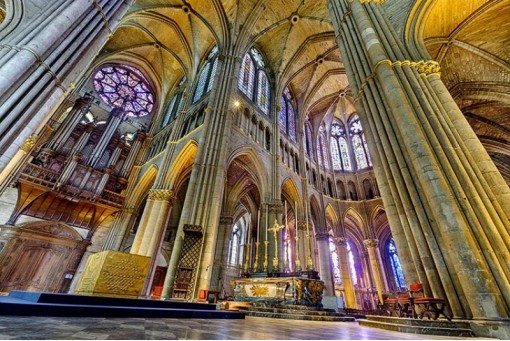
[[334, 258], [263, 92], [308, 141], [344, 152], [359, 152], [359, 144], [247, 76], [352, 266], [206, 79], [323, 154], [287, 116], [168, 114], [335, 155], [235, 241], [282, 115], [395, 265], [121, 86]]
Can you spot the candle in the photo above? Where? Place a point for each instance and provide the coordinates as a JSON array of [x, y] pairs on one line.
[[249, 231], [295, 217], [267, 219], [258, 226], [306, 217]]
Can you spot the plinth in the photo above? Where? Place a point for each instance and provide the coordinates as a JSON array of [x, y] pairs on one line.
[[113, 274]]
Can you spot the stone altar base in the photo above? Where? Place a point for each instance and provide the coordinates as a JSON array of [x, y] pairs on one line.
[[287, 290], [113, 274]]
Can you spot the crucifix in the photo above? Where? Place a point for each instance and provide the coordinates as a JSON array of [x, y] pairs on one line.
[[275, 229]]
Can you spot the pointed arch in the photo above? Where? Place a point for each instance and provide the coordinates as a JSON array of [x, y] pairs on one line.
[[289, 187], [332, 219], [315, 212], [355, 224], [251, 156], [181, 164], [142, 187]]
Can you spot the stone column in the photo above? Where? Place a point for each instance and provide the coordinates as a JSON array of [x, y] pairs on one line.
[[220, 257], [375, 266], [343, 262], [447, 205], [326, 266], [153, 223], [206, 186], [123, 221], [47, 47]]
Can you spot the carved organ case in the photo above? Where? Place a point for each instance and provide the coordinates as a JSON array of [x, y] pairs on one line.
[[77, 177]]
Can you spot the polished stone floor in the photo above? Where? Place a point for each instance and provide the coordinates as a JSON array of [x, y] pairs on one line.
[[253, 328]]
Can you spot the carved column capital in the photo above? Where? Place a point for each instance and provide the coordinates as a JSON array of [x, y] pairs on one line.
[[371, 242], [162, 195], [226, 220], [341, 241], [301, 225], [322, 236]]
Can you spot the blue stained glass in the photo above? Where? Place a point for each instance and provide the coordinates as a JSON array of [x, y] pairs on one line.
[[395, 265], [359, 152], [344, 152], [291, 121], [283, 115]]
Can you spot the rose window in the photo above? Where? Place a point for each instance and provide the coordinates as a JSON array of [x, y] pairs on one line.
[[124, 87]]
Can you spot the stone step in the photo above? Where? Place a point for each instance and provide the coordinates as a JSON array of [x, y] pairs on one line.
[[296, 316], [290, 306], [440, 323], [299, 312], [417, 329]]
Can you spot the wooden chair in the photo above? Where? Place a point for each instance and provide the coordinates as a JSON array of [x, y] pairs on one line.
[[431, 306]]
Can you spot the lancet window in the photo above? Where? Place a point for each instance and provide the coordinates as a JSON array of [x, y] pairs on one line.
[[235, 244], [253, 80], [352, 266], [206, 79], [308, 140], [396, 268], [287, 116], [334, 258], [174, 106], [323, 149], [125, 87], [339, 149], [359, 144]]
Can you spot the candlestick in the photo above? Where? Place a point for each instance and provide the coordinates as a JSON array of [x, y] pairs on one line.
[[267, 219], [258, 226], [256, 262], [265, 264]]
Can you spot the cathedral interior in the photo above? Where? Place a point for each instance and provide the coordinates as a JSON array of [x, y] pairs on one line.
[[367, 140]]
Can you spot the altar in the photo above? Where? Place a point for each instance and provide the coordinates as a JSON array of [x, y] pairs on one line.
[[282, 290]]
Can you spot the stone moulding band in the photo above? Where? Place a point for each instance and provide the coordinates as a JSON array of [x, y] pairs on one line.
[[103, 17], [38, 61], [426, 68]]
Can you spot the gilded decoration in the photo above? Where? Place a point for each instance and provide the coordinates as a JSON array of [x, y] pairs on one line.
[[371, 242], [29, 144], [259, 290], [161, 195], [113, 273]]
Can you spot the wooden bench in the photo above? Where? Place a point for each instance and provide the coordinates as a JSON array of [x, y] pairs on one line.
[[431, 306]]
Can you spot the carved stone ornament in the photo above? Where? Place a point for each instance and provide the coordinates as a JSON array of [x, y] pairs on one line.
[[428, 67], [371, 242], [226, 220], [52, 228], [341, 241], [193, 228], [374, 1], [161, 195]]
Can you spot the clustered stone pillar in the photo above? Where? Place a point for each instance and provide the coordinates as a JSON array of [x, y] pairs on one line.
[[153, 222], [325, 266], [447, 205], [343, 262], [375, 266]]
